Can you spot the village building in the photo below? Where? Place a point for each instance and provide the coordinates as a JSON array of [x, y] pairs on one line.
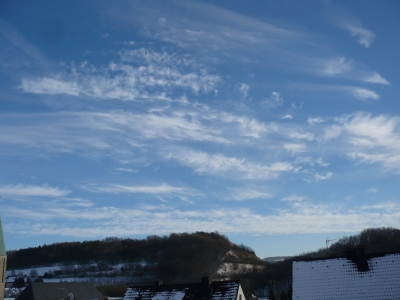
[[60, 290], [355, 275], [206, 289], [3, 263]]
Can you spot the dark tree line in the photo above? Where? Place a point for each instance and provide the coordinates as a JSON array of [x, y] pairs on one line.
[[180, 256], [383, 239]]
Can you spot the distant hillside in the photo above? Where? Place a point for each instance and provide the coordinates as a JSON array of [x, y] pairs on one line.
[[175, 258], [382, 239], [275, 259]]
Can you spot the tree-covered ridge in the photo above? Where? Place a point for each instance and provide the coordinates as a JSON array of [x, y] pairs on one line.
[[383, 239], [182, 255]]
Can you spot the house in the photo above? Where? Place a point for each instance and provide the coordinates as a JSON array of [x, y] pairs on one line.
[[355, 275], [216, 290], [3, 263], [60, 290], [10, 280]]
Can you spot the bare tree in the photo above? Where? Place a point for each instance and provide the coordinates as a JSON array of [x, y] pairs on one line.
[[33, 273]]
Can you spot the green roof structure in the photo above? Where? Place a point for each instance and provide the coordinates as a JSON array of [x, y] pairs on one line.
[[2, 244], [60, 290]]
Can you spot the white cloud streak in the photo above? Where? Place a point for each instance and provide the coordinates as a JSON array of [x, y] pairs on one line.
[[375, 139], [376, 78], [22, 190], [336, 66], [295, 148], [127, 189], [249, 194], [363, 36], [205, 163], [313, 121], [364, 94]]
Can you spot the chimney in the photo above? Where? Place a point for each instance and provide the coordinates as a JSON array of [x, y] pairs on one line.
[[206, 280], [357, 255], [158, 282]]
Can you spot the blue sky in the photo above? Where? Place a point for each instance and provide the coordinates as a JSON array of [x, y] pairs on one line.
[[274, 123]]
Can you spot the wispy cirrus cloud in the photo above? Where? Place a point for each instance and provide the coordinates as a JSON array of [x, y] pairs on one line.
[[244, 89], [295, 198], [319, 177], [356, 92], [157, 74], [363, 36], [336, 66], [248, 194], [248, 126], [363, 94], [313, 121], [125, 129], [376, 78], [273, 101], [295, 148], [22, 190], [312, 161], [205, 163], [248, 39], [132, 189], [375, 139], [367, 138]]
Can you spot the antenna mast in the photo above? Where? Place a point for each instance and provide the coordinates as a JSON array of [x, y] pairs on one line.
[[328, 241]]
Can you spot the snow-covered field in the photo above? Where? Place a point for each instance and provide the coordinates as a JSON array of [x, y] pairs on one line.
[[51, 269], [40, 270]]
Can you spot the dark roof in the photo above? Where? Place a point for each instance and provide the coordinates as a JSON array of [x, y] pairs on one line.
[[222, 290], [217, 290], [60, 290]]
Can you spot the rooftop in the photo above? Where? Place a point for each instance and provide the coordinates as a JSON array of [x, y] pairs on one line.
[[217, 290]]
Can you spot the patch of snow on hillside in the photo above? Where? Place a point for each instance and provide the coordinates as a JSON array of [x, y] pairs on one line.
[[237, 268]]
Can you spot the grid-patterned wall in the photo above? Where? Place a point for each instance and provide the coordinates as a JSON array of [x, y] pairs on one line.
[[340, 279]]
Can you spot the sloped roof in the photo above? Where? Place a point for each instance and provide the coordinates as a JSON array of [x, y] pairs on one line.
[[2, 244], [225, 290], [339, 278], [218, 290], [60, 290]]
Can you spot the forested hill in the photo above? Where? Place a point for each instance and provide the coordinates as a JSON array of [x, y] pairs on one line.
[[176, 255], [384, 239]]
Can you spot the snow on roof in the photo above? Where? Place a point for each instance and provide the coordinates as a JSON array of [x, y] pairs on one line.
[[339, 278]]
